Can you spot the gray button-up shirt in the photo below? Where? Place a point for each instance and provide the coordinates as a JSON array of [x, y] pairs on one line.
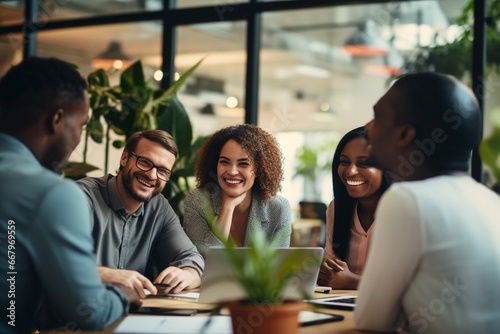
[[152, 234]]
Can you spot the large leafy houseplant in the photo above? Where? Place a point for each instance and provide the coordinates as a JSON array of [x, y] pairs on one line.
[[136, 104], [263, 275]]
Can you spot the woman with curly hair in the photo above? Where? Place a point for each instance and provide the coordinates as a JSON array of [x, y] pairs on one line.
[[357, 189], [238, 173]]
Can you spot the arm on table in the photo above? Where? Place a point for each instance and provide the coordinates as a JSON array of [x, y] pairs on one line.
[[70, 279], [333, 271], [129, 279]]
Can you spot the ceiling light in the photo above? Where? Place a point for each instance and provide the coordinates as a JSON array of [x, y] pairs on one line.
[[366, 41], [158, 75], [231, 102], [391, 64], [113, 57]]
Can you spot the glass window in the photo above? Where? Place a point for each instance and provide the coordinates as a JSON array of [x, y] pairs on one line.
[[214, 96], [11, 52], [11, 13], [81, 46], [315, 83], [57, 10], [322, 70], [220, 5]]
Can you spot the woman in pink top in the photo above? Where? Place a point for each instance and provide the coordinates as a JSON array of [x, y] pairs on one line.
[[357, 189]]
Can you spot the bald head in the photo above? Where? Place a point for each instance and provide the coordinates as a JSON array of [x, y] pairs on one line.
[[445, 115]]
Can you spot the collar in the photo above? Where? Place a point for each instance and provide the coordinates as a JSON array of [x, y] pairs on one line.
[[10, 143], [115, 201]]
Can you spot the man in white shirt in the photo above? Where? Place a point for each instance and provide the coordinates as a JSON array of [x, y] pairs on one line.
[[434, 262]]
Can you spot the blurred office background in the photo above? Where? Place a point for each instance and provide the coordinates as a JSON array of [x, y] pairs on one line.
[[311, 85]]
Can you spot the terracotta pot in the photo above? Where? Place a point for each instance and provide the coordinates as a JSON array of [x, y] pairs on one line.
[[265, 319]]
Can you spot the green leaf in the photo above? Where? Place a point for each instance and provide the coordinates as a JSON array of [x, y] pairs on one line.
[[95, 130], [489, 150], [118, 144], [167, 95], [98, 78], [78, 170], [132, 77], [175, 120]]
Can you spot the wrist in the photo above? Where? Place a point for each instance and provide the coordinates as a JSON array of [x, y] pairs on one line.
[[353, 281]]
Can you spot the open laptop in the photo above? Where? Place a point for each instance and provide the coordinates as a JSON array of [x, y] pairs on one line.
[[216, 287]]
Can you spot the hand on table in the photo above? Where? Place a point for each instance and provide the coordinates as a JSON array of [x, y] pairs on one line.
[[336, 274], [127, 278], [134, 300], [178, 279]]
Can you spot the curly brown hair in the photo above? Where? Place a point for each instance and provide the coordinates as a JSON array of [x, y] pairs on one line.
[[262, 148]]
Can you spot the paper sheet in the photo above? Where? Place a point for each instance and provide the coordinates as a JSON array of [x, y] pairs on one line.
[[189, 295], [221, 324], [153, 324]]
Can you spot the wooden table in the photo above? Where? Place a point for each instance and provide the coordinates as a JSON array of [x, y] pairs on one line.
[[344, 326]]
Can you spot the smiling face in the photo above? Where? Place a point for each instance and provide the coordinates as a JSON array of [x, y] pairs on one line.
[[141, 185], [360, 180], [235, 171]]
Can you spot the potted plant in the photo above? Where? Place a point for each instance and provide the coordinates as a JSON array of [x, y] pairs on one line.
[[455, 57], [137, 104], [263, 275], [312, 162]]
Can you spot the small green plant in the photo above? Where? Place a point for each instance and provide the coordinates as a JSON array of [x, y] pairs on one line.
[[262, 272]]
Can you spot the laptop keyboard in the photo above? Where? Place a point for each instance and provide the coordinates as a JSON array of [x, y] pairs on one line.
[[344, 300]]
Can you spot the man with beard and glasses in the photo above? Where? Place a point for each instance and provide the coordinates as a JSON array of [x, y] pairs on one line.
[[134, 227]]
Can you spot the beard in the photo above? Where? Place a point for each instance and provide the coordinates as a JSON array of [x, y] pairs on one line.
[[128, 179]]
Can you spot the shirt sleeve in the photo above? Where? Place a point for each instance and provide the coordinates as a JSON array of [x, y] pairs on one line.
[[65, 262], [392, 261], [195, 225], [283, 230], [174, 248], [330, 215]]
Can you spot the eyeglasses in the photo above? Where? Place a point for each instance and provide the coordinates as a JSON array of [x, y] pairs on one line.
[[146, 165]]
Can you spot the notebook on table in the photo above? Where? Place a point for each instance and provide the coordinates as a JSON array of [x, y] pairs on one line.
[[336, 302], [217, 285]]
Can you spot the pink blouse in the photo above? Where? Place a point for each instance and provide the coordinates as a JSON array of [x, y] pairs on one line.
[[358, 244]]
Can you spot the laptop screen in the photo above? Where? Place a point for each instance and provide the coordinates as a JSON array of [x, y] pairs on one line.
[[218, 283]]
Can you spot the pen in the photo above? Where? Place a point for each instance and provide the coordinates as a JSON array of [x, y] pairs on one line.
[[162, 285], [333, 264]]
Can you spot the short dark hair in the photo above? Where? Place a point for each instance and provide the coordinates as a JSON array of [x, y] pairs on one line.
[[437, 102], [37, 87], [262, 148], [344, 204], [158, 136]]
